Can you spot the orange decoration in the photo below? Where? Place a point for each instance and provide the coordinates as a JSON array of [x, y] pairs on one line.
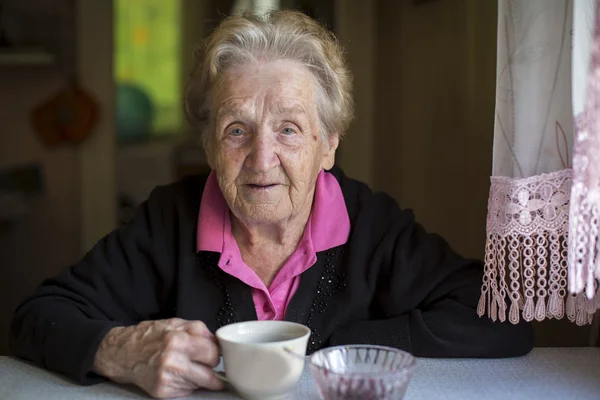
[[70, 115]]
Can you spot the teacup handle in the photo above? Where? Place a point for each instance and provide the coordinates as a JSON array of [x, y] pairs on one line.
[[221, 376]]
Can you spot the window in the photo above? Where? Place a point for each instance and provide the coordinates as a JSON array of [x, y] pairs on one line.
[[148, 56]]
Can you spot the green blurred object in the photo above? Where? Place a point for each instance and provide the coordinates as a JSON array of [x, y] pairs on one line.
[[135, 113], [148, 53]]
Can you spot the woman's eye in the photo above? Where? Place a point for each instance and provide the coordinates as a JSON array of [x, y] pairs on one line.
[[236, 132], [288, 131]]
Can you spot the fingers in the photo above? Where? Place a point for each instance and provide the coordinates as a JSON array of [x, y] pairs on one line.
[[203, 377], [203, 346], [173, 357], [194, 328], [176, 375], [198, 328], [197, 348], [174, 323], [204, 351]]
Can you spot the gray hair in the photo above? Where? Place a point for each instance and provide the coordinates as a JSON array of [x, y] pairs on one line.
[[277, 35]]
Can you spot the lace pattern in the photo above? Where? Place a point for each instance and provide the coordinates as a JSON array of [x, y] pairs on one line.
[[584, 244], [526, 251]]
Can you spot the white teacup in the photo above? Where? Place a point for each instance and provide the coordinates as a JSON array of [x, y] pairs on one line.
[[257, 359]]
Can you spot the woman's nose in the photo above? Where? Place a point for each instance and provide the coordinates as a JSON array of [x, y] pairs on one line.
[[263, 153]]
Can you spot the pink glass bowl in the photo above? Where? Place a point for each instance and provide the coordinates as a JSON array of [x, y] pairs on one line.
[[362, 372]]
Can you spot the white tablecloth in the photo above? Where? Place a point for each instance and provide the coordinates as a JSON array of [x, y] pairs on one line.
[[567, 373]]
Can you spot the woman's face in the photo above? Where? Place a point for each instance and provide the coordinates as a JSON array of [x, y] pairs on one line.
[[267, 148]]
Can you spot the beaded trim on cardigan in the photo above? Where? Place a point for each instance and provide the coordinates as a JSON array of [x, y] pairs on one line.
[[330, 282], [226, 314]]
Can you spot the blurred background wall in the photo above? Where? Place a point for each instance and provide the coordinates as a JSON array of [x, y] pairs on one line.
[[68, 201], [424, 90]]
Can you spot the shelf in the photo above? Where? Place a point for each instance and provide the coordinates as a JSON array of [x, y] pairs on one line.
[[22, 57]]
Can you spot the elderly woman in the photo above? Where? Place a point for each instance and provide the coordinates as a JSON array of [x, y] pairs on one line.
[[275, 232]]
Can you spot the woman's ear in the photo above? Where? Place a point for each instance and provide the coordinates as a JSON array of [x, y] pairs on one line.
[[329, 148]]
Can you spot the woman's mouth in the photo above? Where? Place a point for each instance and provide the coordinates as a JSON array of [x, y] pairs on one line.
[[261, 187]]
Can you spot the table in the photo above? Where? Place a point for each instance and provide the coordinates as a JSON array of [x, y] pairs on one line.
[[546, 373]]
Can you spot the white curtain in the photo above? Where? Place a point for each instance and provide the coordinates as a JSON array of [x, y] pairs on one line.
[[584, 242], [529, 268]]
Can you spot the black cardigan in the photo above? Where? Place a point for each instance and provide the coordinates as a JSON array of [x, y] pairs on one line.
[[392, 284]]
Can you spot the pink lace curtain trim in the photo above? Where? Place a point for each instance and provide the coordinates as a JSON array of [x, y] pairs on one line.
[[584, 243], [526, 252]]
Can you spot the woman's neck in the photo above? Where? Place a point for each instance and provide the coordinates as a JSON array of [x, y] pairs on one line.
[[285, 233], [266, 247]]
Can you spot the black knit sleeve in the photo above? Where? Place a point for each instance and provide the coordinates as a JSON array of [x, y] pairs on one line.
[[119, 282], [427, 296]]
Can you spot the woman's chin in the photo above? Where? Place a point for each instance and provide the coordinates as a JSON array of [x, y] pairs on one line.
[[260, 212], [259, 195]]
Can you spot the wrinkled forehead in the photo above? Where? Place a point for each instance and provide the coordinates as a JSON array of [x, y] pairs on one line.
[[277, 106], [279, 86]]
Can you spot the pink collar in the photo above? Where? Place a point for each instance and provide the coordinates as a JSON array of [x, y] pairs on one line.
[[329, 224]]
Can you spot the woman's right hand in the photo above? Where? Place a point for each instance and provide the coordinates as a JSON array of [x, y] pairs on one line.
[[166, 358]]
